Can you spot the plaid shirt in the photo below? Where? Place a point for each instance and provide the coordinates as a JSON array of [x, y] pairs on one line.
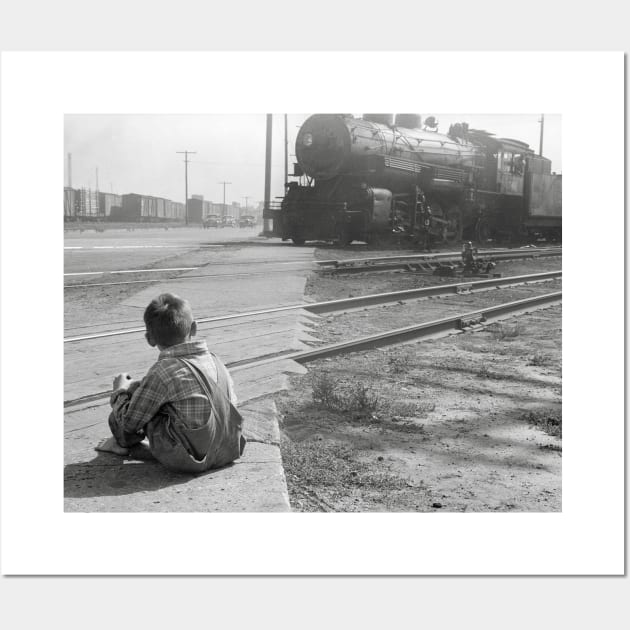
[[170, 382]]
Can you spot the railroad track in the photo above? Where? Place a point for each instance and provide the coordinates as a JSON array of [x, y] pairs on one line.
[[432, 329], [409, 262], [427, 330], [428, 262], [346, 304]]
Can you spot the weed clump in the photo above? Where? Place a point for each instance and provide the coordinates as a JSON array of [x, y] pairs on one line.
[[399, 364], [325, 391], [539, 359], [548, 420], [506, 331], [485, 373], [333, 395]]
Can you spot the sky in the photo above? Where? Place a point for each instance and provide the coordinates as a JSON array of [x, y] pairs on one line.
[[138, 153]]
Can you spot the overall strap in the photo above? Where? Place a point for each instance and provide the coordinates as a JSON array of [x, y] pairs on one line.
[[209, 387], [222, 375]]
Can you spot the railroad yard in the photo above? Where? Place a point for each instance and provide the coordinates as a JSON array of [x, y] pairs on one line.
[[443, 414]]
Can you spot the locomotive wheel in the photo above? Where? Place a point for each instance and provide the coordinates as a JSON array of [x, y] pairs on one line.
[[453, 232], [345, 239], [482, 231]]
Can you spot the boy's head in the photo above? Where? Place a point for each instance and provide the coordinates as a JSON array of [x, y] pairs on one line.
[[169, 321]]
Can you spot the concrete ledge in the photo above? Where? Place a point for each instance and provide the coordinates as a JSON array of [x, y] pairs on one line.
[[102, 482]]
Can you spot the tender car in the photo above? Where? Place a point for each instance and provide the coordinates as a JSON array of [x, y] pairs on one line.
[[247, 220], [212, 220]]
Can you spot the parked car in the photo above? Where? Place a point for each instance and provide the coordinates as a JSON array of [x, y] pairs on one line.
[[229, 221], [212, 220], [247, 220]]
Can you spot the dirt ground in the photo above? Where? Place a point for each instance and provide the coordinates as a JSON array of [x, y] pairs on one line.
[[471, 422]]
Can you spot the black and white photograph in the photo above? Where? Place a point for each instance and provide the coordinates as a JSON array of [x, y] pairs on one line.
[[324, 312], [346, 340]]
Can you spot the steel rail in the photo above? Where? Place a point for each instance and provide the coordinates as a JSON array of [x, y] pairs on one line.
[[436, 328], [438, 256], [432, 329], [417, 263], [157, 280], [357, 302]]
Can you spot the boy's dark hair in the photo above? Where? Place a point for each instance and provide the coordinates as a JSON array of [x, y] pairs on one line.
[[168, 318]]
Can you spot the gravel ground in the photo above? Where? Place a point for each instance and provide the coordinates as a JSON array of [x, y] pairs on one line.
[[470, 422]]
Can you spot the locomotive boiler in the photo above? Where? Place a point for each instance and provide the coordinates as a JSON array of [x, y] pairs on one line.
[[366, 178]]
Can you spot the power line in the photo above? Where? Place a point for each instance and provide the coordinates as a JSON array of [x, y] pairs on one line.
[[186, 160]]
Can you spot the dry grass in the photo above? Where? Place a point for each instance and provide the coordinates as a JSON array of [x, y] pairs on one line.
[[325, 476], [336, 396], [548, 420], [400, 363], [503, 332], [539, 359]]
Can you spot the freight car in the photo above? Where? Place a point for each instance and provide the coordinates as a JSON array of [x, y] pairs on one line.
[[144, 208], [108, 202], [90, 205], [365, 178], [81, 204]]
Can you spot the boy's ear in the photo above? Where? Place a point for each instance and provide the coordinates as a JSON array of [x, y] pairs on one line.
[[149, 337], [193, 329]]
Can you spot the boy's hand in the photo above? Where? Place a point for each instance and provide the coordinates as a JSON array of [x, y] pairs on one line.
[[122, 381]]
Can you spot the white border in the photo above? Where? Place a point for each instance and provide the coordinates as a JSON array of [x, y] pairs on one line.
[[39, 88]]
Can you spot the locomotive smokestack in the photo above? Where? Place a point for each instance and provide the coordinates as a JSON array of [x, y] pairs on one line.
[[409, 121]]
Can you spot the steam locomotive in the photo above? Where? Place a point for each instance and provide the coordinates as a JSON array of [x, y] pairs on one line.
[[370, 177]]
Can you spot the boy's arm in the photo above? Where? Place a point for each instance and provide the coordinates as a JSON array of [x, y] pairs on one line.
[[136, 405]]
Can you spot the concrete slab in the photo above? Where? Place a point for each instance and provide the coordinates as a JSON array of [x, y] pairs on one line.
[[102, 482]]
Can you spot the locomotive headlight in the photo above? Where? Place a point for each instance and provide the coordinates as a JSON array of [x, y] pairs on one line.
[[308, 139]]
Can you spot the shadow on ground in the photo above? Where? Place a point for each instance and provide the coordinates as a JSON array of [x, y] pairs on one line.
[[110, 475]]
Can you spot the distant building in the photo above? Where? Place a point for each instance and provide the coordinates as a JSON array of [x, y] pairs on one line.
[[196, 209], [86, 203]]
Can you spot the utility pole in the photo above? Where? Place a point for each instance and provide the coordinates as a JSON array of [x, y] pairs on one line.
[[267, 216], [542, 126], [97, 210], [224, 185], [186, 160], [286, 151], [69, 170], [246, 206]]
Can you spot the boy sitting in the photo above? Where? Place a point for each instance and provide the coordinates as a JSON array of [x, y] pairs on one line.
[[185, 405]]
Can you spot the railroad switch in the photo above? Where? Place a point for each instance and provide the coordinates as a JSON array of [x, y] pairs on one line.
[[471, 321], [445, 270], [472, 265]]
